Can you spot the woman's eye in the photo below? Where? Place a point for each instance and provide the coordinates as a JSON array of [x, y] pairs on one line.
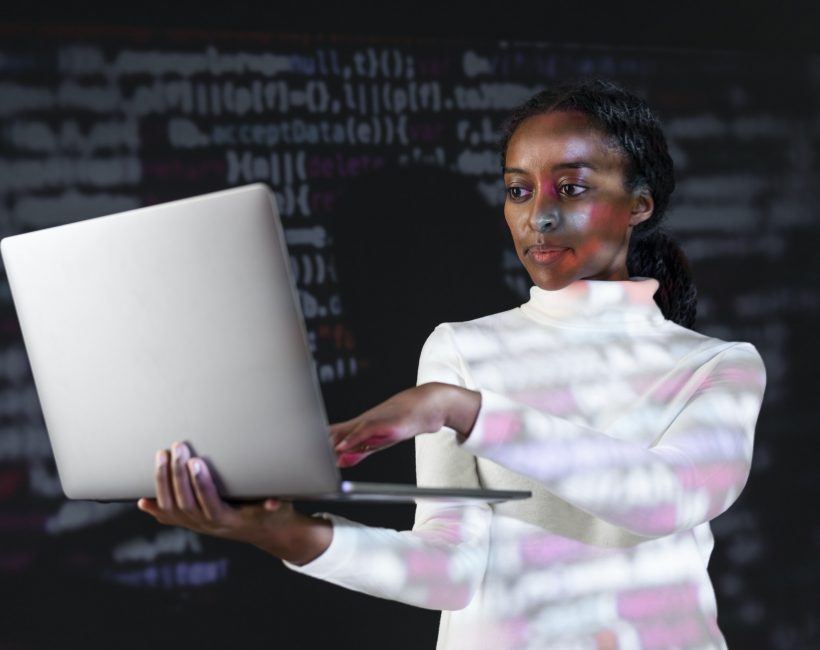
[[517, 193], [571, 189]]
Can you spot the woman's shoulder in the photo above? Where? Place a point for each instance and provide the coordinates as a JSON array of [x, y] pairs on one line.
[[718, 344], [490, 325], [491, 321], [717, 338], [487, 337]]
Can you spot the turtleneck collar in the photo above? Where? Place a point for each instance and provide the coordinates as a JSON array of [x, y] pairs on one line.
[[598, 304]]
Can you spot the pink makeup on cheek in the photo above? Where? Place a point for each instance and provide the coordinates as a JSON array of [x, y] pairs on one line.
[[598, 216]]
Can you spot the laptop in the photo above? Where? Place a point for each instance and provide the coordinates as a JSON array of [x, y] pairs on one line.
[[181, 321]]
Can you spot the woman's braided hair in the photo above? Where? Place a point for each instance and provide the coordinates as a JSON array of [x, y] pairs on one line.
[[635, 130]]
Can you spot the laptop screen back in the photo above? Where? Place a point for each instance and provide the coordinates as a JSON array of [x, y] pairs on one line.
[[172, 322]]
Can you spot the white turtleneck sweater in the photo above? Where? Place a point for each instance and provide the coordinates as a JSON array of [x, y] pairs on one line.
[[632, 433]]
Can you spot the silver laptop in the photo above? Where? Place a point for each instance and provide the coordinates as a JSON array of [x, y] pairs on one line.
[[180, 321]]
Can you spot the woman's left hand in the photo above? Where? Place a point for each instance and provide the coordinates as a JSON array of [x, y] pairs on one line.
[[423, 409], [187, 496]]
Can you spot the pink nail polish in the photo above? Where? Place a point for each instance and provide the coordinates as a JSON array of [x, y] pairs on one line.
[[196, 467]]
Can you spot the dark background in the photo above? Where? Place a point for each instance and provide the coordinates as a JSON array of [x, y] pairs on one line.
[[736, 86]]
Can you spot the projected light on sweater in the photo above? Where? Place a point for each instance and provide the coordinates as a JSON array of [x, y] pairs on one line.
[[631, 432]]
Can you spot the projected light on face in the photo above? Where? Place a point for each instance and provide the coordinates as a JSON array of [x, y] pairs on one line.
[[567, 207]]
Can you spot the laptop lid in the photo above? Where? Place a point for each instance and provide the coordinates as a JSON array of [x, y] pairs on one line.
[[171, 322], [179, 321]]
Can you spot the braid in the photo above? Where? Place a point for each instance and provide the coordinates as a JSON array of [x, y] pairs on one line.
[[635, 131], [656, 255]]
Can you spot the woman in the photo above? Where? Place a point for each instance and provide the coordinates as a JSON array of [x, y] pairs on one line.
[[631, 430]]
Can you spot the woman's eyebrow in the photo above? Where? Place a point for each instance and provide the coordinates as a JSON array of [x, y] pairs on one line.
[[574, 164]]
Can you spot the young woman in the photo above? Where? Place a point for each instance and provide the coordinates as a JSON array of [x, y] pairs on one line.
[[631, 430]]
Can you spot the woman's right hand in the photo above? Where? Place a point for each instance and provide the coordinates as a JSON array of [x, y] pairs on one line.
[[187, 496], [421, 409]]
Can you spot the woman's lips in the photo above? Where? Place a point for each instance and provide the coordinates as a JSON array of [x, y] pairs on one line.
[[543, 254]]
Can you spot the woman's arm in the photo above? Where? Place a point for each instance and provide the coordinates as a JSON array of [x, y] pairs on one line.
[[693, 470], [437, 565]]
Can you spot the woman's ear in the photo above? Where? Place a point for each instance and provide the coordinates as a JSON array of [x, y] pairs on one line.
[[643, 205]]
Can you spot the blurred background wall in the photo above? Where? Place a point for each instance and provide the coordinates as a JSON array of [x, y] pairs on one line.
[[383, 123]]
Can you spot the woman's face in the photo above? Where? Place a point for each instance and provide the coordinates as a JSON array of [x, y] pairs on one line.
[[567, 209]]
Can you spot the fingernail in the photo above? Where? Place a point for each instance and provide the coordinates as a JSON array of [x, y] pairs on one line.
[[160, 458], [179, 451], [196, 467]]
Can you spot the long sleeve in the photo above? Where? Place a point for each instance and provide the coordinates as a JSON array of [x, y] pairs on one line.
[[437, 565], [441, 562], [695, 468]]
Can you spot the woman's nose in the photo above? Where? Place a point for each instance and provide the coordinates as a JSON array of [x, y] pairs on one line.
[[545, 220]]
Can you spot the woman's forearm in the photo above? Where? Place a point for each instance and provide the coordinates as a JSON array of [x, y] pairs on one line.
[[461, 407]]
